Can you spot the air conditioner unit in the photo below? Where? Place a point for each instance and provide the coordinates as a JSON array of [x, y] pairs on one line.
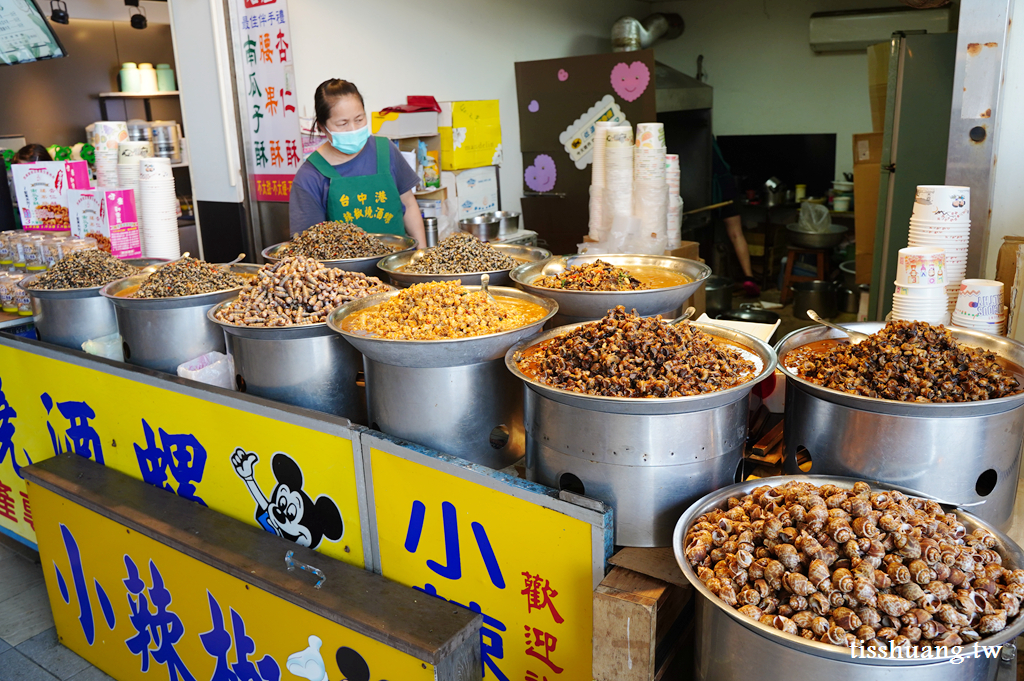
[[857, 29]]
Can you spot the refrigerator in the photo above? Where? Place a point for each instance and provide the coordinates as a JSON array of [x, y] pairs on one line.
[[918, 103]]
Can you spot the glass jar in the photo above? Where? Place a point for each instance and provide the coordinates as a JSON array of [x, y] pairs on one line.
[[31, 246], [6, 255], [8, 287], [50, 250]]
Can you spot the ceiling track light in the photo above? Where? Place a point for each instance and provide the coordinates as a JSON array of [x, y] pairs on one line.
[[59, 12], [138, 19]]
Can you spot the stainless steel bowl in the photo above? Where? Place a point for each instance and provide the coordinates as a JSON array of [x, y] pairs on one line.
[[485, 227], [70, 317], [648, 458], [161, 333], [439, 353], [509, 222], [801, 239], [730, 645], [966, 453], [394, 267], [368, 266], [578, 306]]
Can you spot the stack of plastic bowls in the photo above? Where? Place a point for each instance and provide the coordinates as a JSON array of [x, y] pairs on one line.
[[618, 181], [920, 293], [942, 219], [980, 306]]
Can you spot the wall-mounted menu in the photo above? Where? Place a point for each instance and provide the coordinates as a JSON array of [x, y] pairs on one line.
[[25, 36]]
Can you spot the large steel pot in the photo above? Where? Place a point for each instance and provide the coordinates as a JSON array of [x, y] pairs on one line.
[[454, 396], [582, 306], [815, 240], [718, 295], [161, 333], [368, 266], [306, 366], [394, 267], [648, 458], [70, 317], [817, 295], [732, 646], [965, 453]]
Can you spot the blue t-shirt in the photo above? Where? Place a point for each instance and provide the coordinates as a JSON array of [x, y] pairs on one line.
[[307, 204]]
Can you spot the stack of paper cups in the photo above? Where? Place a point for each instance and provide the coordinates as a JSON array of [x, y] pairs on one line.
[[618, 190], [159, 208], [130, 151], [128, 178], [650, 136], [675, 202], [979, 306], [597, 165], [107, 135], [920, 286], [598, 225], [942, 219]]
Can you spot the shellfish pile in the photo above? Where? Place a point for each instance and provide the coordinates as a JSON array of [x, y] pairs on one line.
[[909, 362], [626, 355], [461, 253], [83, 269], [855, 567], [595, 276], [296, 291], [335, 240], [187, 277]]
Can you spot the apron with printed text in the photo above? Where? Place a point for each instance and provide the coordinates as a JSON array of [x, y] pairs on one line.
[[371, 202]]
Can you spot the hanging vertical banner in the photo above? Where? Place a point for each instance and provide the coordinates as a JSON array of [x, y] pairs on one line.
[[275, 136]]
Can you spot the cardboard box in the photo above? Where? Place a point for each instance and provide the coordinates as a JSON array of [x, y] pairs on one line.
[[867, 173], [470, 134], [475, 190], [395, 125]]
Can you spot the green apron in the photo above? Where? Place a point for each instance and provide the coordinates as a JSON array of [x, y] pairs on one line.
[[371, 202]]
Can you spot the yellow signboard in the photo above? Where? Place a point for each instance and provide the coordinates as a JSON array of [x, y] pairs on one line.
[[295, 481], [526, 568], [138, 609]]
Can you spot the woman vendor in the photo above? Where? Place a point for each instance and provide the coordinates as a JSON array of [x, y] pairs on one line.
[[353, 176]]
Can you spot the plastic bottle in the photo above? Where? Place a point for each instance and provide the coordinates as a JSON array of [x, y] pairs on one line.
[[131, 79]]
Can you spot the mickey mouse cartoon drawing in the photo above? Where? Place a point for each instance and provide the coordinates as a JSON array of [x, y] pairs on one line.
[[290, 512], [309, 663]]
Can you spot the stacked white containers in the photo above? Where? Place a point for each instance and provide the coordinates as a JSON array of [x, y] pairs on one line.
[[942, 219], [650, 190], [159, 208], [106, 136], [675, 201]]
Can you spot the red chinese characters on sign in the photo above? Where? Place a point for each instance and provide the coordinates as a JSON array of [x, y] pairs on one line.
[[250, 4], [274, 187], [540, 644]]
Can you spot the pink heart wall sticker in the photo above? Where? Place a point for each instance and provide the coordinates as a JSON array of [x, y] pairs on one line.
[[563, 75], [630, 80], [540, 177]]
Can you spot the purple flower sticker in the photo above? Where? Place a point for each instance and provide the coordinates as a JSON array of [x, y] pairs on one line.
[[540, 177], [533, 107]]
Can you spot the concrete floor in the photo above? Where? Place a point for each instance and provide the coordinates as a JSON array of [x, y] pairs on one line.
[[29, 650]]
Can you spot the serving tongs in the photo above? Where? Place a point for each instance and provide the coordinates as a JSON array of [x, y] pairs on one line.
[[855, 336]]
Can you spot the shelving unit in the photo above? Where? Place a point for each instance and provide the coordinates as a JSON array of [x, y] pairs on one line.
[[144, 96]]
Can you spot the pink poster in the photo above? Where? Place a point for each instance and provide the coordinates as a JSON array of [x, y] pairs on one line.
[[123, 224], [42, 192]]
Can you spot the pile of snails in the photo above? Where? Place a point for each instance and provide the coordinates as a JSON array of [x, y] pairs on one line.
[[855, 567]]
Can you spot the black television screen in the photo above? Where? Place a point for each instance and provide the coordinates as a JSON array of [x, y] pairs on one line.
[[25, 35]]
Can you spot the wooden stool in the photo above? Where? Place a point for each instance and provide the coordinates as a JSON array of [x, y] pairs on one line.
[[788, 278]]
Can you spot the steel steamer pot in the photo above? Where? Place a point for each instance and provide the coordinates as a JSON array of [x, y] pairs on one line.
[[368, 266], [394, 267], [582, 306], [649, 458], [454, 395], [730, 645], [161, 333], [71, 316], [964, 453]]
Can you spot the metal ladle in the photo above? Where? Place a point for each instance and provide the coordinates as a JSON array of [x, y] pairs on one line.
[[855, 336], [683, 317], [485, 281], [554, 266], [150, 269], [227, 265]]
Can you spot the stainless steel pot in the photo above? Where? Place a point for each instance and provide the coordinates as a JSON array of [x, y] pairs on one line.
[[368, 266], [70, 317], [306, 366], [161, 333], [718, 295], [581, 306], [394, 267], [485, 227], [648, 458], [818, 295], [509, 222], [731, 646], [849, 270], [965, 453], [454, 396]]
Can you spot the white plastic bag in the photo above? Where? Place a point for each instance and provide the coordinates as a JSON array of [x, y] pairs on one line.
[[447, 221], [106, 346], [213, 368], [814, 217]]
